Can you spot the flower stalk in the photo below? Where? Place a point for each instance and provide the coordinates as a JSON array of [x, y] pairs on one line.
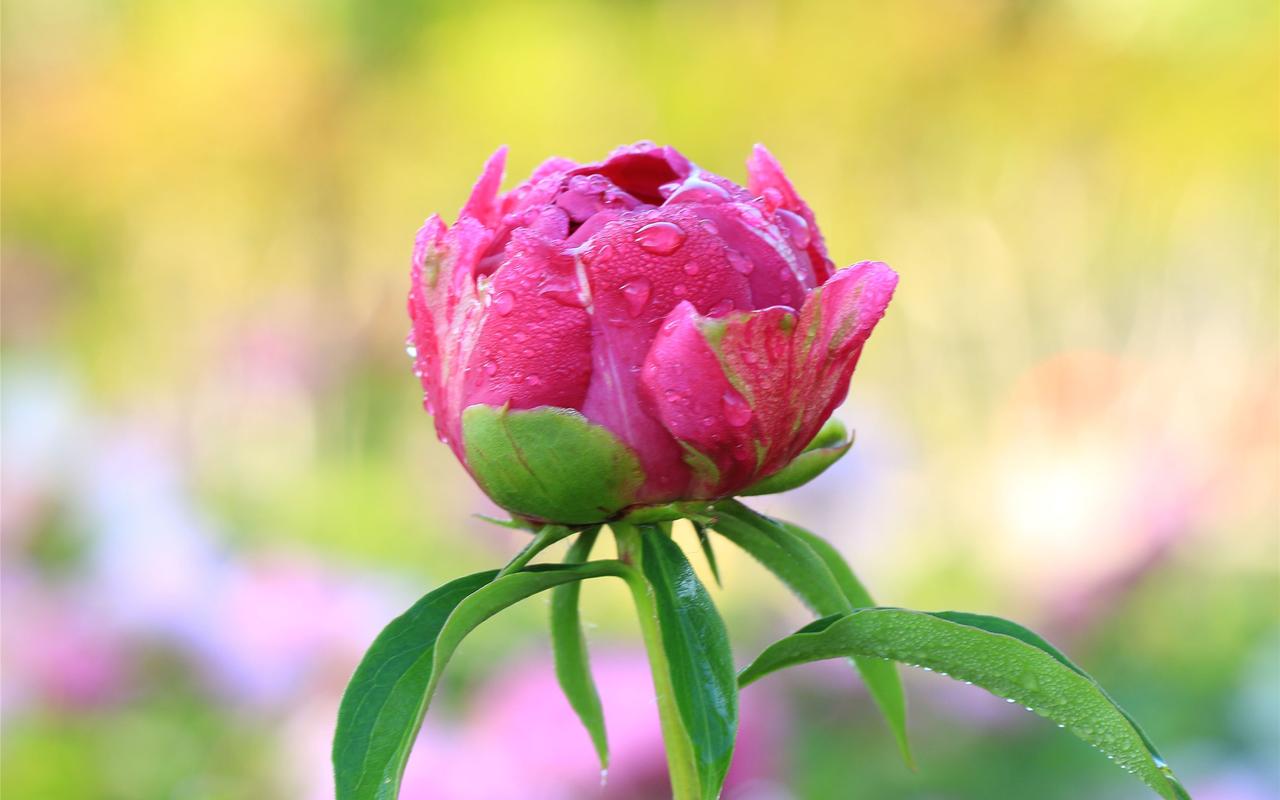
[[683, 772]]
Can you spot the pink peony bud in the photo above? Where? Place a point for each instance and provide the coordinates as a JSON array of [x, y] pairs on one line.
[[635, 332]]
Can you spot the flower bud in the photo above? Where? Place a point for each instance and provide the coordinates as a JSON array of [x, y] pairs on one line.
[[636, 332]]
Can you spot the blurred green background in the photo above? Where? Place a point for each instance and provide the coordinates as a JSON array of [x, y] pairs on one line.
[[219, 481]]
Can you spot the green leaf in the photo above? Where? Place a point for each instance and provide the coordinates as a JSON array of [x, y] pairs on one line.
[[882, 678], [819, 576], [708, 552], [549, 463], [379, 715], [698, 658], [997, 655], [573, 669], [387, 698], [828, 447]]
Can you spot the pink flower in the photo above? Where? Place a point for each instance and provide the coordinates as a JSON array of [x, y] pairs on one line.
[[633, 332]]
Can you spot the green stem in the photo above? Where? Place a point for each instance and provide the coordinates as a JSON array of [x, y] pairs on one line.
[[546, 536], [680, 763]]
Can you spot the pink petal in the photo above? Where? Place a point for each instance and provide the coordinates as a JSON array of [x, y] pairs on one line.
[[445, 312], [632, 290], [534, 344], [483, 203], [748, 392], [764, 173], [640, 169]]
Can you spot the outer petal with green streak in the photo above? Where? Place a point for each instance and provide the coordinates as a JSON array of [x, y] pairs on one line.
[[746, 392]]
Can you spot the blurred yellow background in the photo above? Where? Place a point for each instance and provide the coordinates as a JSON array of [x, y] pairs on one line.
[[219, 481]]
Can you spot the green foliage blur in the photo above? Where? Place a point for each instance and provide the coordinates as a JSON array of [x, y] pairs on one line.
[[1068, 417]]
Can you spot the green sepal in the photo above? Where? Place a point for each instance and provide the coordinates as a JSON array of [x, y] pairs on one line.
[[549, 463], [831, 443]]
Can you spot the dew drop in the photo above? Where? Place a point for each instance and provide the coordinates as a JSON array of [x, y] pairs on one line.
[[773, 198], [411, 350], [736, 410], [603, 254], [692, 268], [660, 238], [707, 422], [503, 302], [637, 291], [696, 190], [680, 290], [490, 368], [1010, 700], [796, 227], [752, 216], [533, 380], [740, 262], [1061, 725], [723, 307]]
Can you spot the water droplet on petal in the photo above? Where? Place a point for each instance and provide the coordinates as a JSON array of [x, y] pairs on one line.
[[692, 268], [680, 290], [736, 410], [636, 292], [796, 227], [752, 216], [707, 422], [411, 350], [603, 254], [660, 238], [740, 262], [773, 198], [723, 307], [533, 380], [697, 190], [503, 302], [490, 368]]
